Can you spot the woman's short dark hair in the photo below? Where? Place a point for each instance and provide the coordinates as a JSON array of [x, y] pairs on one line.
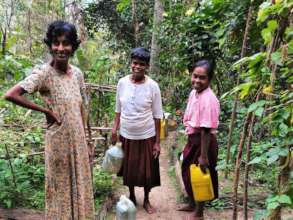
[[141, 54], [59, 28], [209, 65]]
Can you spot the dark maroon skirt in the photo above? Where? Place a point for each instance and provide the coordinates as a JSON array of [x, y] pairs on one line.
[[139, 166], [191, 154]]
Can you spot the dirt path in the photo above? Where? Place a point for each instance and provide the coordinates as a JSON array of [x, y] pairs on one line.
[[163, 198]]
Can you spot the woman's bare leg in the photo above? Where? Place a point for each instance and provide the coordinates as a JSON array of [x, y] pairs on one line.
[[132, 194], [146, 203]]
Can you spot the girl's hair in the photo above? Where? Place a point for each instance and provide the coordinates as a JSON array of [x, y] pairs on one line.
[[209, 65], [141, 54], [59, 28]]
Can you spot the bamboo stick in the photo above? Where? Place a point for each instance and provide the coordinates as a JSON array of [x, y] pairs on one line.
[[11, 167], [247, 166], [237, 165], [233, 115]]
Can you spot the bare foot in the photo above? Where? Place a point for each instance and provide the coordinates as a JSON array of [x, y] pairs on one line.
[[186, 208], [148, 207], [133, 199]]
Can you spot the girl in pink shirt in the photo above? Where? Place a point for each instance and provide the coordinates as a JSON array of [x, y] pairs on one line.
[[201, 120]]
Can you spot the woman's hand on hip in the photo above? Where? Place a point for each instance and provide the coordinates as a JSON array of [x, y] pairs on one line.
[[52, 117], [156, 150]]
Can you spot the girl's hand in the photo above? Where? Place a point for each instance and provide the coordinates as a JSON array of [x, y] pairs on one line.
[[156, 150], [203, 163]]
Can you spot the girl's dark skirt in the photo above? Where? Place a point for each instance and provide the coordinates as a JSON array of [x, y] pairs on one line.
[[139, 166], [191, 154]]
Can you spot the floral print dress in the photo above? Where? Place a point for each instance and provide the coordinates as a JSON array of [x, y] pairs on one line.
[[69, 192]]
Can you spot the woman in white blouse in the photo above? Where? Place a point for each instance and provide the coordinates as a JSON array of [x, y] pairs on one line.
[[138, 113]]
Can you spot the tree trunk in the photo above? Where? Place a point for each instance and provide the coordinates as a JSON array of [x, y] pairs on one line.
[[75, 17], [6, 24], [233, 115], [63, 4], [231, 128], [11, 167], [155, 48], [29, 29], [238, 163], [4, 39], [134, 23]]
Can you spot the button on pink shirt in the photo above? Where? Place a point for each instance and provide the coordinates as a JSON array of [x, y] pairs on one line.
[[202, 110]]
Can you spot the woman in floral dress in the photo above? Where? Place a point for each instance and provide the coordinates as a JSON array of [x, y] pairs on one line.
[[69, 192]]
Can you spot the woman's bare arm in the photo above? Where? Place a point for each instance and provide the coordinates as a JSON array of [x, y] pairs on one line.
[[15, 95], [205, 139], [157, 147], [115, 127]]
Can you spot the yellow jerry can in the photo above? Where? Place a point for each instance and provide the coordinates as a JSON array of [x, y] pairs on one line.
[[201, 183], [162, 130]]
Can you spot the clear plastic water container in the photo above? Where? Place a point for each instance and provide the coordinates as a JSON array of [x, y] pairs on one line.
[[201, 183], [125, 209], [113, 159]]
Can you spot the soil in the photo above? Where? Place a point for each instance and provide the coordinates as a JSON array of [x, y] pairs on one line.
[[21, 214], [163, 198]]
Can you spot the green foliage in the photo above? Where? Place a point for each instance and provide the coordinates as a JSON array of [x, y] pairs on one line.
[[268, 32], [191, 38], [271, 152], [28, 188], [274, 202], [175, 89], [14, 67], [116, 18], [102, 183], [24, 187], [257, 107], [122, 5], [273, 110], [211, 29], [267, 9], [219, 204], [97, 63]]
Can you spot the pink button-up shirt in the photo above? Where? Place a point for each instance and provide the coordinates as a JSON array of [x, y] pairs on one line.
[[202, 110]]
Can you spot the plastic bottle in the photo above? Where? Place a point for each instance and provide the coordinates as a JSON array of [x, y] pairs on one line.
[[201, 183], [125, 209], [113, 159]]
